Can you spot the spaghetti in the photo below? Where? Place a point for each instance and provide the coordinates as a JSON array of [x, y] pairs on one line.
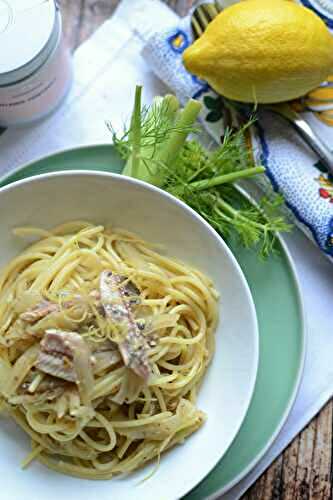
[[103, 345]]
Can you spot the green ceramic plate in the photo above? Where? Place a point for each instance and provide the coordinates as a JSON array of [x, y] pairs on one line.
[[280, 317]]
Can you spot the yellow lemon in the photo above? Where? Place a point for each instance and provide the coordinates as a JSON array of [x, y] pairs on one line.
[[263, 51]]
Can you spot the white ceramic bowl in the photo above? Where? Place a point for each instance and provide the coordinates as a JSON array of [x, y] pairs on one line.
[[51, 199]]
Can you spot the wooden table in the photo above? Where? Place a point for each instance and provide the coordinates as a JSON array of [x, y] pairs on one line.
[[303, 471]]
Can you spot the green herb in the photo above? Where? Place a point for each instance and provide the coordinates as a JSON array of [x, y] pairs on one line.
[[157, 150]]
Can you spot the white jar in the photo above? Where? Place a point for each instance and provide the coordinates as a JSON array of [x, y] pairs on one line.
[[35, 64]]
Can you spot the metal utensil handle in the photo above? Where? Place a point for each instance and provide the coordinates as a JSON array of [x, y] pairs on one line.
[[316, 144]]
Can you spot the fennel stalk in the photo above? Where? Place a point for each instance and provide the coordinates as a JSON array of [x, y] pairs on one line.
[[157, 150]]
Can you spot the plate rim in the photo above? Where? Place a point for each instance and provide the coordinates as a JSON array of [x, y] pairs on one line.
[[108, 174], [303, 325], [297, 383], [26, 165]]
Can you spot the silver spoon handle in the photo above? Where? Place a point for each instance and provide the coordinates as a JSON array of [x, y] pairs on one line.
[[315, 143], [305, 131]]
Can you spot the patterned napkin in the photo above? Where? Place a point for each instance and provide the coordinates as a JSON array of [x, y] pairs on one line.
[[291, 167]]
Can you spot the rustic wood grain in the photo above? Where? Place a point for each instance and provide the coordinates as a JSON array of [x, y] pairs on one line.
[[83, 17], [303, 471]]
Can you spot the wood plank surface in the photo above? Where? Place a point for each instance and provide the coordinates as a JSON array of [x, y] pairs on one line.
[[303, 471]]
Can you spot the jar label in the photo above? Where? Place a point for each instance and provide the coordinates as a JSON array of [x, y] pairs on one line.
[[39, 94]]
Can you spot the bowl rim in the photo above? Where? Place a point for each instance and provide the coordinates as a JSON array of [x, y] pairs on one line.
[[220, 242]]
